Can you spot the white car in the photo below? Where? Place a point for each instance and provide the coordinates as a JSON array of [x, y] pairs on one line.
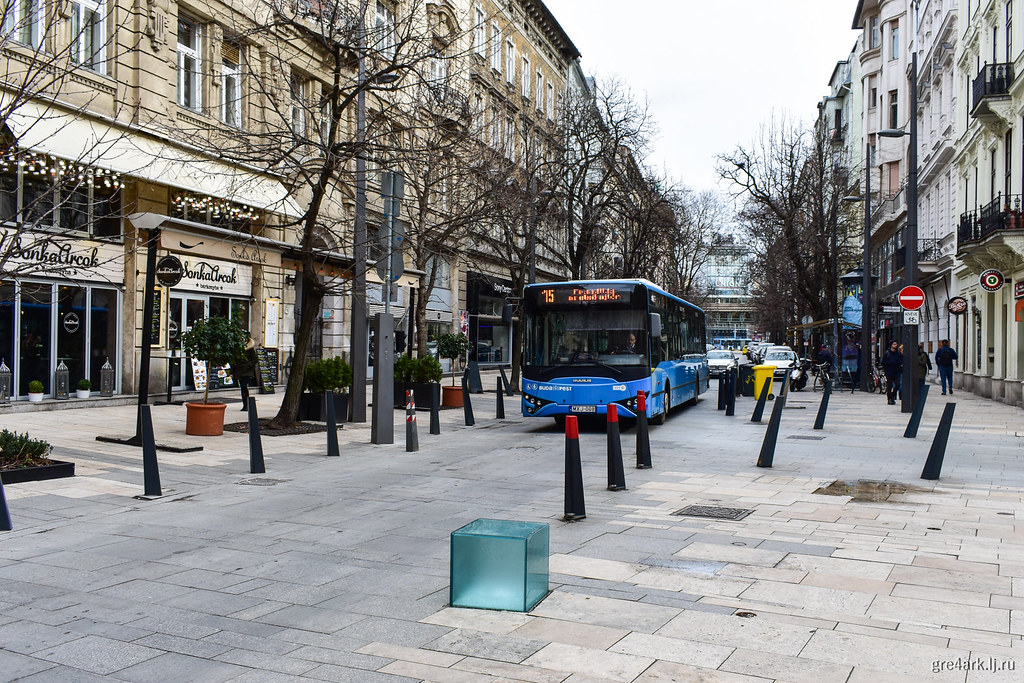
[[720, 361], [781, 357]]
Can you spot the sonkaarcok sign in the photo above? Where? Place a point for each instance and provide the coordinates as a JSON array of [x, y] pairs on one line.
[[39, 253]]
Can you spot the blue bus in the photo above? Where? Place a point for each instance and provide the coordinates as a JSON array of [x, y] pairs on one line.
[[589, 343]]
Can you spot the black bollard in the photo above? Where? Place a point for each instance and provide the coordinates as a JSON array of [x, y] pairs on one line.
[[509, 389], [771, 435], [467, 407], [5, 516], [915, 416], [761, 400], [616, 475], [412, 439], [256, 465], [643, 440], [721, 391], [244, 384], [435, 410], [150, 469], [332, 426], [499, 406], [933, 465], [819, 421], [730, 393], [575, 508]]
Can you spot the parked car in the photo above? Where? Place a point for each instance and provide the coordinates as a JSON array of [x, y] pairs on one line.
[[720, 362], [782, 357], [759, 351]]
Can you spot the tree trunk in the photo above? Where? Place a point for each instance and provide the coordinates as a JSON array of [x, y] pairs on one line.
[[312, 301]]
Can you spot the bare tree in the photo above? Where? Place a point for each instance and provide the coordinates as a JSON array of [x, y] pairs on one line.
[[699, 227]]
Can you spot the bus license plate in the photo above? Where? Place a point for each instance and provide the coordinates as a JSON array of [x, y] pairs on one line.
[[583, 409]]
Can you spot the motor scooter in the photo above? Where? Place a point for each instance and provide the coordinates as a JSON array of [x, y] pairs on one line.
[[798, 375]]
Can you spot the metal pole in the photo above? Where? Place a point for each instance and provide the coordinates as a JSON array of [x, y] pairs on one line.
[[147, 329], [358, 342], [867, 308], [909, 387]]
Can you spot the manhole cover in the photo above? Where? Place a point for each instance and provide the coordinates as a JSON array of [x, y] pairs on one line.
[[869, 491], [712, 512], [261, 482], [805, 437]]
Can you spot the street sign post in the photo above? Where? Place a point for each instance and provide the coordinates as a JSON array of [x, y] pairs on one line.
[[911, 317], [911, 298]]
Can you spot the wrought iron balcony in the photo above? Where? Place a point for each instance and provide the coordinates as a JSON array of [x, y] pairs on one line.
[[1001, 214], [969, 230], [993, 81], [928, 250]]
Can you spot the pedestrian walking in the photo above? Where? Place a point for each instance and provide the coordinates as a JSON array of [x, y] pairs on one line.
[[892, 363], [945, 359], [921, 365]]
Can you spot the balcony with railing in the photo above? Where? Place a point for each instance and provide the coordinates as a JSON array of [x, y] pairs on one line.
[[991, 85], [1001, 215]]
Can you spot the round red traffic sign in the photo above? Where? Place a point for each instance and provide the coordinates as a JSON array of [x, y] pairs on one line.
[[911, 297]]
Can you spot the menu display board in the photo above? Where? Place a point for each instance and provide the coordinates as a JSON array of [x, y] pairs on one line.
[[157, 315], [267, 361]]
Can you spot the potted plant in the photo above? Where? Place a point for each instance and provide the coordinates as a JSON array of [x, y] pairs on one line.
[[319, 377], [25, 459], [418, 374], [452, 346], [217, 341], [84, 386], [35, 391]]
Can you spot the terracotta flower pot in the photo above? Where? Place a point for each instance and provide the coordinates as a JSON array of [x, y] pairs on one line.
[[451, 396], [204, 419]]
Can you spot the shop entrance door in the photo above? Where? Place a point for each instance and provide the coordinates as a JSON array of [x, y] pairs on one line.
[[184, 311]]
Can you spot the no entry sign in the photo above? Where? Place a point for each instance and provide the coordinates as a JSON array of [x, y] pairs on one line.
[[911, 298]]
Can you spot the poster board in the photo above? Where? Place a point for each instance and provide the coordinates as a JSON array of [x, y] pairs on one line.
[[219, 377], [266, 360]]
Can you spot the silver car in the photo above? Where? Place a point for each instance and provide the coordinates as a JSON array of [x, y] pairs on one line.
[[720, 362]]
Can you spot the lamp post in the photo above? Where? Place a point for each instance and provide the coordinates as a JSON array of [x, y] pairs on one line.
[[909, 384]]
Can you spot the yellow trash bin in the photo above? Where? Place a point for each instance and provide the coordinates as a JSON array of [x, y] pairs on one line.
[[762, 374]]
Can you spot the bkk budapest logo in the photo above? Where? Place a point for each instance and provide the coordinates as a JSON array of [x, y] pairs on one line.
[[47, 252]]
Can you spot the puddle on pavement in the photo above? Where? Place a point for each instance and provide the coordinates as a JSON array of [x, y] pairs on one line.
[[869, 491], [695, 566]]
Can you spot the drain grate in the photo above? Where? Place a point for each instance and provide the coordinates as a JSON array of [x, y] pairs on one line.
[[712, 512], [261, 482], [805, 437]]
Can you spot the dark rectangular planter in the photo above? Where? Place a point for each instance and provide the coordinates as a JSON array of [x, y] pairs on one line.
[[422, 392], [57, 470], [313, 407]]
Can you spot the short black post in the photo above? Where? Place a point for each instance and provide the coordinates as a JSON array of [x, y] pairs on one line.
[[933, 465], [5, 516], [509, 389], [332, 426], [435, 410], [243, 382], [256, 465], [412, 439], [819, 421], [915, 416], [467, 406], [150, 469], [616, 475], [761, 400], [499, 405], [575, 508], [721, 391], [771, 435], [730, 393], [643, 439]]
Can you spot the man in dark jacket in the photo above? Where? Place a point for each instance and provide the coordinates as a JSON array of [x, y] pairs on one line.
[[892, 362], [921, 365], [945, 358]]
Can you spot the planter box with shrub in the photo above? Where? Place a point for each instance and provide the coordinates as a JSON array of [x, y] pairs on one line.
[[320, 376], [420, 375], [25, 459]]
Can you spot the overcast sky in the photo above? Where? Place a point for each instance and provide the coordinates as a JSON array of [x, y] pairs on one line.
[[712, 70]]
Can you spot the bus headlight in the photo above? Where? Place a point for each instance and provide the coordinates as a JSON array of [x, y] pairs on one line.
[[532, 403]]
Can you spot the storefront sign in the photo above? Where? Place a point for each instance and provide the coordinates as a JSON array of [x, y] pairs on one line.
[[272, 309], [991, 280], [1018, 290], [957, 305], [39, 253], [169, 271], [219, 277], [201, 245], [71, 322]]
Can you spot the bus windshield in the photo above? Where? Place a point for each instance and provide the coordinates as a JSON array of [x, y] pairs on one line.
[[586, 336]]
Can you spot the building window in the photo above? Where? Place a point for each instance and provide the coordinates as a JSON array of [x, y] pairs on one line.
[[539, 91], [1007, 165], [1009, 30], [894, 109], [479, 32], [23, 20], [385, 28], [874, 37], [297, 86], [550, 101], [510, 61], [496, 45], [189, 64], [894, 40], [231, 86], [526, 77], [88, 34]]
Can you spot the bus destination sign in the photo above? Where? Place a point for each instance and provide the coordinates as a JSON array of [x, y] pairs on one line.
[[560, 296]]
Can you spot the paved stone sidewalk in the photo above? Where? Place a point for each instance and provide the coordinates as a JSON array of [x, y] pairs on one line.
[[337, 568]]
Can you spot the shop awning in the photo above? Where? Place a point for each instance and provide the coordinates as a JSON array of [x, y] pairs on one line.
[[133, 153]]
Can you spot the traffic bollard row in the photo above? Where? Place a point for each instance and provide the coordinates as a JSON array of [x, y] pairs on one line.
[[256, 465], [575, 507], [412, 439], [933, 465], [643, 439], [150, 469], [819, 421], [332, 426], [616, 475], [499, 405]]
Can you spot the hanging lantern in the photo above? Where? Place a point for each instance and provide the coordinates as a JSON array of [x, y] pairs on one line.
[[107, 379], [5, 382], [61, 381]]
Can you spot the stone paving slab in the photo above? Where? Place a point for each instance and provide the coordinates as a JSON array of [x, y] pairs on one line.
[[337, 569]]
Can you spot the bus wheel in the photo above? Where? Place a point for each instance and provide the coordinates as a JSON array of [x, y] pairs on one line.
[[560, 421], [659, 419]]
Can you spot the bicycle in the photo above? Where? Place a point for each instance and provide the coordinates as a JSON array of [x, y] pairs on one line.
[[822, 372]]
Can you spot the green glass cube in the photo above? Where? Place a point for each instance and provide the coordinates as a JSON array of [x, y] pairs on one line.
[[499, 564]]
